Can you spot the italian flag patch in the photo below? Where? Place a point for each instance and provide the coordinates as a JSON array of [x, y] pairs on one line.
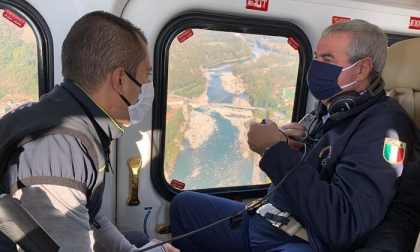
[[394, 151]]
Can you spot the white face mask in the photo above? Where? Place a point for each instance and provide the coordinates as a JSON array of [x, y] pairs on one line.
[[345, 69], [145, 102]]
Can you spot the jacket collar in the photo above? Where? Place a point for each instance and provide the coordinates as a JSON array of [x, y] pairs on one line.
[[335, 119], [111, 128]]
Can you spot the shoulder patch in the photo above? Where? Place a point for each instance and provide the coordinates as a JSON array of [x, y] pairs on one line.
[[394, 151]]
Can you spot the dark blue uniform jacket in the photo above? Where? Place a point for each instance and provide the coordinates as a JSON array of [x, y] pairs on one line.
[[400, 228], [344, 185]]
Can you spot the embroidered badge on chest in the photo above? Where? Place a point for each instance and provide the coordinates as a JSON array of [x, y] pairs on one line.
[[394, 151], [325, 155]]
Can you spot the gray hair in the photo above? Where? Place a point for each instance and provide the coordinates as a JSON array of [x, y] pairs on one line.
[[368, 41]]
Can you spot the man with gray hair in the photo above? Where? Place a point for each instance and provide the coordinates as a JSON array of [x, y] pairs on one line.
[[331, 196]]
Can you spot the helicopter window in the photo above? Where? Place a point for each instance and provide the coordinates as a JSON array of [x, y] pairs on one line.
[[23, 56], [219, 79]]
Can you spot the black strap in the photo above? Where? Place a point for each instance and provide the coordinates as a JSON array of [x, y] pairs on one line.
[[283, 220], [105, 141]]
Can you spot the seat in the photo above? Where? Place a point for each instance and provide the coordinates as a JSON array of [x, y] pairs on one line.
[[402, 80], [402, 75]]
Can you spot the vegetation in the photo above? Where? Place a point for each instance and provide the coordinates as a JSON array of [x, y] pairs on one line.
[[18, 57], [259, 114], [203, 50], [270, 114], [192, 91], [290, 94], [173, 139], [268, 77], [18, 65], [289, 111]]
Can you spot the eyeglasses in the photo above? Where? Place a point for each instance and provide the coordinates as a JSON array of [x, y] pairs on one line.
[[133, 79]]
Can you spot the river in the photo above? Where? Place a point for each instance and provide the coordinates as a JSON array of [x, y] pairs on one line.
[[219, 161]]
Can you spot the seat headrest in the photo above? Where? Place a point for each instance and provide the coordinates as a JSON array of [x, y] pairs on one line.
[[402, 67]]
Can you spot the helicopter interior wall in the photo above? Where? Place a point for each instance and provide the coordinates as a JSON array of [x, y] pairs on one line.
[[312, 16]]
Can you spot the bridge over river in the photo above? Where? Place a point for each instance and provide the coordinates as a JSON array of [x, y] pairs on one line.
[[232, 106], [219, 105]]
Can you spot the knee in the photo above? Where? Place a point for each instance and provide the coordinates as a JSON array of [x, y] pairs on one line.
[[187, 204], [181, 207], [182, 201]]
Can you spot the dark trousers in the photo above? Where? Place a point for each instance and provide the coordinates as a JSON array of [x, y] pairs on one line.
[[136, 238], [190, 211]]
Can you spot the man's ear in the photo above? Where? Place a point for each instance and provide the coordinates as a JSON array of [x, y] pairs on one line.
[[364, 69], [117, 80]]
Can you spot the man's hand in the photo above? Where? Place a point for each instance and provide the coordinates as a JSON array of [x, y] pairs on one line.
[[170, 248], [297, 130], [263, 136]]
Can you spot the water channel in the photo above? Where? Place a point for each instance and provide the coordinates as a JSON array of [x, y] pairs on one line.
[[219, 161]]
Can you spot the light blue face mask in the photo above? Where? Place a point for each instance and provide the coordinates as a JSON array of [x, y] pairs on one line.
[[322, 79]]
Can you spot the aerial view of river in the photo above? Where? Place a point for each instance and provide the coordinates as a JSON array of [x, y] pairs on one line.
[[219, 161]]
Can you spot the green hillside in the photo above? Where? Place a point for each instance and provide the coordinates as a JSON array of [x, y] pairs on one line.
[[267, 77], [203, 50], [18, 61]]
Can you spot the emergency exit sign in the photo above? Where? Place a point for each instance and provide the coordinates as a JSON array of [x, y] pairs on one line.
[[14, 18], [261, 5], [414, 23], [336, 19]]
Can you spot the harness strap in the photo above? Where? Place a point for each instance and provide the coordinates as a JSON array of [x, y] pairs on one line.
[[283, 221], [105, 142]]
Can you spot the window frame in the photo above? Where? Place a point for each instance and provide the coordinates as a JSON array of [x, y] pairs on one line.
[[227, 23], [45, 49]]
